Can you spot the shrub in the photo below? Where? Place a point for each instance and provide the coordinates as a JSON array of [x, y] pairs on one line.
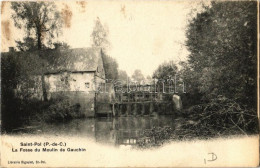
[[60, 110], [222, 116], [155, 137]]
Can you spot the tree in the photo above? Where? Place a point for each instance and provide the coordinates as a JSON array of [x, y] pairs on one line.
[[138, 76], [28, 44], [148, 77], [100, 36], [149, 80], [222, 41], [110, 67], [189, 77], [61, 45], [40, 20], [20, 82], [122, 76], [100, 39], [165, 71]]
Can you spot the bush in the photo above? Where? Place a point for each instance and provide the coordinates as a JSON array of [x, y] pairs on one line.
[[221, 116], [19, 113], [59, 110], [155, 137]]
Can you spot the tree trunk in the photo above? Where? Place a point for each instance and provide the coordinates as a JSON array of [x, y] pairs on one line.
[[44, 92], [39, 36]]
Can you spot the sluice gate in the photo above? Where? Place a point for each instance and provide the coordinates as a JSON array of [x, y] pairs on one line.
[[135, 103]]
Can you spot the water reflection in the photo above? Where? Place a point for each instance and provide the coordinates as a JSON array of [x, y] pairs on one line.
[[114, 131]]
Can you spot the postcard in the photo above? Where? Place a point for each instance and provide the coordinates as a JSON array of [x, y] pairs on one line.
[[129, 83]]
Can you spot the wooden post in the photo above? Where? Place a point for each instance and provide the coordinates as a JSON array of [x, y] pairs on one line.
[[113, 109], [121, 96], [151, 108], [128, 109], [143, 109], [119, 109], [135, 108]]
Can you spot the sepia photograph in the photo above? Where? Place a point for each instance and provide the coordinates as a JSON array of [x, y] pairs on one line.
[[129, 83]]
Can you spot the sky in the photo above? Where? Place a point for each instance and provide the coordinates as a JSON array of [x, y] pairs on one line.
[[142, 34]]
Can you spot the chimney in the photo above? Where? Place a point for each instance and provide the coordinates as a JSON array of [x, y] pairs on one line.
[[11, 49]]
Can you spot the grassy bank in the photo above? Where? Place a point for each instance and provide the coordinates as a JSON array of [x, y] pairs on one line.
[[18, 113], [221, 117]]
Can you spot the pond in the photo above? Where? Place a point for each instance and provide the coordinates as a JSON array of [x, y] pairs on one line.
[[114, 131]]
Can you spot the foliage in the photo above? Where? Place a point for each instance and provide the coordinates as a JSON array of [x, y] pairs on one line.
[[222, 116], [18, 85], [122, 76], [61, 45], [192, 95], [110, 66], [100, 39], [165, 71], [40, 20], [149, 78], [28, 44], [222, 41], [59, 110], [100, 36], [155, 137], [138, 76], [18, 113], [20, 72]]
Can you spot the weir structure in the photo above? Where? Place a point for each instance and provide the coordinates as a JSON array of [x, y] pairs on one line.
[[137, 100]]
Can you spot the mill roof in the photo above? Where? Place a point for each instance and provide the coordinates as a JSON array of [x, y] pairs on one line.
[[57, 60]]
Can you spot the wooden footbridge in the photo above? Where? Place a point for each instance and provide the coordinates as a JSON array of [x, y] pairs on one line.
[[137, 100]]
